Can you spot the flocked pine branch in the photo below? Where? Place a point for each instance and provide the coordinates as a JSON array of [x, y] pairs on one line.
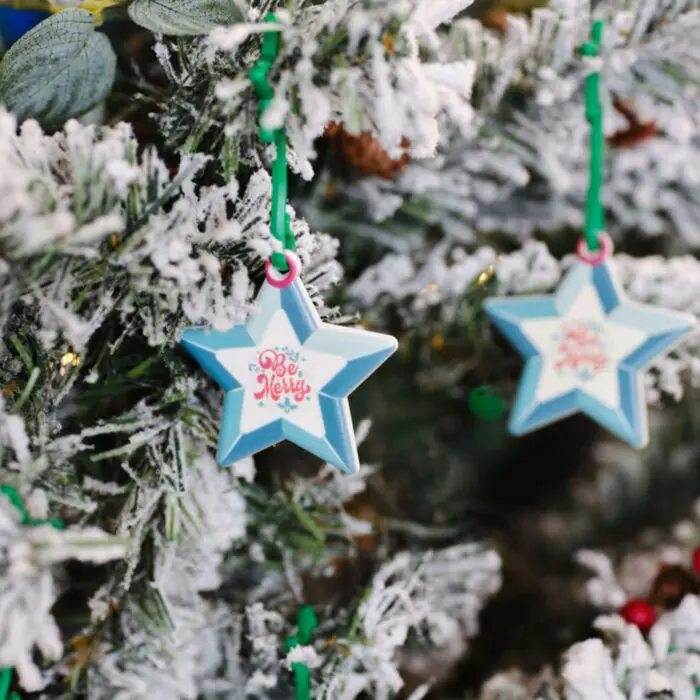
[[102, 253], [197, 649], [105, 254], [169, 641], [352, 61], [434, 598], [29, 557], [524, 166], [118, 256], [622, 665]]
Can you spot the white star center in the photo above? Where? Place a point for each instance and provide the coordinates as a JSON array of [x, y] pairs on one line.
[[280, 378], [582, 350]]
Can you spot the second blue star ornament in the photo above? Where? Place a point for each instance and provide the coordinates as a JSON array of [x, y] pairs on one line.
[[586, 348], [287, 374]]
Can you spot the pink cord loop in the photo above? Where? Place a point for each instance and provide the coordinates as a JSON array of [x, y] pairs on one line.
[[279, 280], [598, 256]]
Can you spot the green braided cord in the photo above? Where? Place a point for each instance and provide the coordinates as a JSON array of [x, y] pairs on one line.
[[280, 224], [306, 624], [11, 494], [595, 218], [5, 680]]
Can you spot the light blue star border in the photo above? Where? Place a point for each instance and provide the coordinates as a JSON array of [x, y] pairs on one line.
[[663, 330], [364, 351]]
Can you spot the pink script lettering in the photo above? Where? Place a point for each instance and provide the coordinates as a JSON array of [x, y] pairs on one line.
[[580, 349], [279, 378]]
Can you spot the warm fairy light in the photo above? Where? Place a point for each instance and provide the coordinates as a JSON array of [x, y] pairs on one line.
[[438, 342], [486, 275], [70, 359], [429, 288], [388, 44]]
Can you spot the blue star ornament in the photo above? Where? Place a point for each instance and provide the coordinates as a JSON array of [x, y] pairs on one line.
[[586, 348], [287, 376]]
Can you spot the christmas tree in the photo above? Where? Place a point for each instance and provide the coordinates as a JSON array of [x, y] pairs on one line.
[[179, 172]]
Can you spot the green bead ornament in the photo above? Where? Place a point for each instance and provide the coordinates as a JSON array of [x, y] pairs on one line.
[[486, 404]]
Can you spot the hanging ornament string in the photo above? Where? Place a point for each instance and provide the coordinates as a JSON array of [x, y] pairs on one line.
[[280, 224], [306, 624], [11, 494], [5, 680], [595, 222]]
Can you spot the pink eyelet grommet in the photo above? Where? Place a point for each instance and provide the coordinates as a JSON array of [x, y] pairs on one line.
[[279, 280], [598, 256]]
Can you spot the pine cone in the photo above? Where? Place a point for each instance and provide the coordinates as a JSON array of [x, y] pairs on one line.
[[671, 585], [496, 18], [364, 154]]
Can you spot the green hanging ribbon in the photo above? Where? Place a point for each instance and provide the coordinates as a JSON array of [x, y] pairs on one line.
[[280, 224], [306, 624], [595, 218], [5, 680], [11, 494]]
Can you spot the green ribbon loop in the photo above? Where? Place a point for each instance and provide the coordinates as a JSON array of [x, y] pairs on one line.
[[595, 217], [306, 624], [280, 222], [11, 494]]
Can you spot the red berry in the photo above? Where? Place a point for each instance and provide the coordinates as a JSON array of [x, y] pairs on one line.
[[639, 612], [696, 560]]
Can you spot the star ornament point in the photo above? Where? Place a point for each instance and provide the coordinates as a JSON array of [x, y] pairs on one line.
[[586, 348], [287, 376]]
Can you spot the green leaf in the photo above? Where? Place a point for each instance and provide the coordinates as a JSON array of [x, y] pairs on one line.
[[185, 17], [60, 69]]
